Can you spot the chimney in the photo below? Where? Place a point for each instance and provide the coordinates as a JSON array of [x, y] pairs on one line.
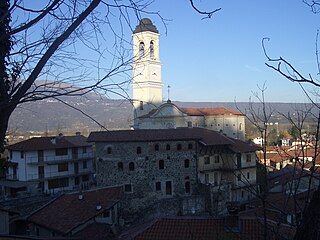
[[53, 140], [98, 207]]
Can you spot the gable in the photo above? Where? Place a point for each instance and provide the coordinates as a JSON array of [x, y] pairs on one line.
[[168, 110]]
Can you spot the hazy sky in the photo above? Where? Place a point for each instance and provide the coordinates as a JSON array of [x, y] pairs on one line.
[[221, 59]]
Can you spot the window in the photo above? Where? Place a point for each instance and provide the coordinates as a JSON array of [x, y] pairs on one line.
[[131, 166], [109, 150], [120, 166], [186, 163], [206, 160], [215, 179], [141, 105], [227, 125], [151, 50], [248, 158], [206, 178], [21, 154], [156, 147], [168, 147], [216, 159], [84, 149], [240, 126], [158, 186], [62, 167], [58, 183], [189, 124], [248, 175], [187, 186], [141, 49], [61, 151], [179, 147], [239, 177], [127, 188], [161, 164], [84, 164], [76, 181], [138, 150], [190, 146], [85, 178], [168, 188], [238, 160]]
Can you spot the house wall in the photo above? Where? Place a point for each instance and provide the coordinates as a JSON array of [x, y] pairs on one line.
[[146, 176], [28, 167]]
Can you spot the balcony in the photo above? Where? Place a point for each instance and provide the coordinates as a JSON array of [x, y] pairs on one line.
[[216, 167], [53, 159], [56, 174]]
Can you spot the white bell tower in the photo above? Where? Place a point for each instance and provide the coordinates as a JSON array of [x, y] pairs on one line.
[[147, 84]]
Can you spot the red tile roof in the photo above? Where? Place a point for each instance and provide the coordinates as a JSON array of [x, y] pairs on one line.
[[46, 143], [204, 228], [68, 212], [210, 111]]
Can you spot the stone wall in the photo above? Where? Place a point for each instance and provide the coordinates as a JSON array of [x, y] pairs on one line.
[[150, 184]]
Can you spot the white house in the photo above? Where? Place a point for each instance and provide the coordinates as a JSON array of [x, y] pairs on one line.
[[55, 163]]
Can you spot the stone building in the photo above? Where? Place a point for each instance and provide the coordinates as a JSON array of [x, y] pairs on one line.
[[163, 171], [150, 112]]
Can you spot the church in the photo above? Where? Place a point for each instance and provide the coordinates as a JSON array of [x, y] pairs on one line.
[[151, 112]]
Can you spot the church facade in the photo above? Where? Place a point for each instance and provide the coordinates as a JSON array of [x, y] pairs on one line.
[[150, 112]]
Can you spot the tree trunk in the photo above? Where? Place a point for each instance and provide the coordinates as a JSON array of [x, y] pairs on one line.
[[4, 120]]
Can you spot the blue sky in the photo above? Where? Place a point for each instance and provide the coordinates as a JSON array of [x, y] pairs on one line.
[[221, 59]]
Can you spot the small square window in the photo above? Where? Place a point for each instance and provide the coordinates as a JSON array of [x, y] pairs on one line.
[[248, 158], [127, 188], [216, 159]]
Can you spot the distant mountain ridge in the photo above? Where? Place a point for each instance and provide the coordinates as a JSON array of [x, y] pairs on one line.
[[52, 114]]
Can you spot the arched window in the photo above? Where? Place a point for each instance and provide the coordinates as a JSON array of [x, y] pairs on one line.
[[168, 147], [161, 164], [186, 163], [151, 50], [120, 166], [179, 147], [141, 49], [131, 166], [138, 150], [240, 126], [109, 150], [156, 147]]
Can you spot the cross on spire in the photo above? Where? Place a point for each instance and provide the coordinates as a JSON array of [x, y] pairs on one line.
[[169, 92]]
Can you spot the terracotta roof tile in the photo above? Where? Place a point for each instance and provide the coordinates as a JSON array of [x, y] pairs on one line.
[[45, 143], [210, 111], [67, 211], [204, 228]]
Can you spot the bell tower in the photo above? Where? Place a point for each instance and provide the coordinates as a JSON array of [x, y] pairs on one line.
[[147, 84]]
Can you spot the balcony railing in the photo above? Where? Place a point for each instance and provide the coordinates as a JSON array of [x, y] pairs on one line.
[[12, 176], [216, 167], [56, 159], [56, 174]]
